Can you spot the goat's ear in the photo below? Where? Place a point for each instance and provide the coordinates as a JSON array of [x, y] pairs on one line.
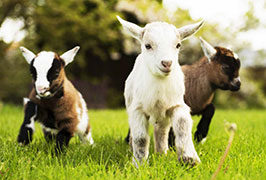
[[28, 55], [208, 50], [189, 30], [133, 29], [68, 56]]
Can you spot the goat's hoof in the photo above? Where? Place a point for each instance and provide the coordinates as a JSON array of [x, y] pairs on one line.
[[189, 161], [23, 140], [198, 137]]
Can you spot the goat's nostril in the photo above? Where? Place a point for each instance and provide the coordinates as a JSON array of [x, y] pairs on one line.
[[41, 88], [166, 64]]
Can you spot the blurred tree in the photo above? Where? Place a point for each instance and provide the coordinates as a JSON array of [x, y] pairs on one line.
[[13, 71], [106, 56]]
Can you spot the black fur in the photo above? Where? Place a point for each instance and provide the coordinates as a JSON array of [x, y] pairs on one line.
[[33, 71], [203, 126], [48, 136], [62, 140], [54, 71], [25, 133]]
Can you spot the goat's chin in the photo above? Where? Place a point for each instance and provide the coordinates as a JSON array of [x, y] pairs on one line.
[[161, 74], [234, 88]]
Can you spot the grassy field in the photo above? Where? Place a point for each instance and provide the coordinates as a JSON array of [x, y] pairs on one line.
[[110, 158]]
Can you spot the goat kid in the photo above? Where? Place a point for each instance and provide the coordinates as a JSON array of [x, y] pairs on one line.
[[54, 101], [218, 69], [155, 88]]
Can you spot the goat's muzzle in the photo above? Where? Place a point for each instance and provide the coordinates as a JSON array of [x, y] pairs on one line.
[[235, 85], [166, 66]]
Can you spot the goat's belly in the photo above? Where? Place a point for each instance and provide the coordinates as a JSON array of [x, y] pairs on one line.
[[50, 130]]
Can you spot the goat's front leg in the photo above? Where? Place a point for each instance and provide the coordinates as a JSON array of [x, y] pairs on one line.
[[203, 126], [27, 128], [161, 131], [140, 138], [182, 125]]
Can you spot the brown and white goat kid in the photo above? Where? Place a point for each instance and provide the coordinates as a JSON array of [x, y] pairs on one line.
[[54, 102], [218, 69], [154, 91]]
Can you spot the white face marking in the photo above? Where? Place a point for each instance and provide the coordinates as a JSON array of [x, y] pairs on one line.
[[163, 39], [235, 55], [42, 63]]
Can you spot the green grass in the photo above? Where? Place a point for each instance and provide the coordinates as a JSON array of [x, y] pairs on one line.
[[110, 158]]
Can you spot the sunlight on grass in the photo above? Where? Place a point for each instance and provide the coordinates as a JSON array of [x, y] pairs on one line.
[[111, 157]]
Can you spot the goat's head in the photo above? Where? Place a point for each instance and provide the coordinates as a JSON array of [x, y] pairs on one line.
[[47, 69], [225, 66], [160, 43]]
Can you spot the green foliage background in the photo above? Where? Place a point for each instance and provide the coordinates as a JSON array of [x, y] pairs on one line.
[[107, 55]]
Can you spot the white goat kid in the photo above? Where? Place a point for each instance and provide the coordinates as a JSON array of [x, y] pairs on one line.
[[154, 91]]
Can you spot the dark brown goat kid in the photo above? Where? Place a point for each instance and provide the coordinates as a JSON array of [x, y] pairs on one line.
[[54, 101], [218, 69]]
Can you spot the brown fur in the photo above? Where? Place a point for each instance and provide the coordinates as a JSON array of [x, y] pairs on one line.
[[63, 109], [201, 77]]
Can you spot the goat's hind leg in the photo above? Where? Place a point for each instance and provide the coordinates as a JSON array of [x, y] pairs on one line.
[[62, 140], [203, 126], [86, 137], [49, 137], [161, 131], [182, 125], [27, 128]]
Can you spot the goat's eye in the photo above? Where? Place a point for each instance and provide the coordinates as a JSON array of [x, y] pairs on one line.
[[148, 46], [178, 45], [226, 68]]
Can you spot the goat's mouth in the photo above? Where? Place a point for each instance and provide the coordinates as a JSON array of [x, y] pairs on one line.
[[166, 71], [45, 94]]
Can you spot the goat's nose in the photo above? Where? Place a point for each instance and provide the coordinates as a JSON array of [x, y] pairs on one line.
[[166, 64], [41, 89]]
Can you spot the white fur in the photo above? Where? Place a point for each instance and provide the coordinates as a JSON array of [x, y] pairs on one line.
[[47, 129], [149, 92], [31, 125], [25, 101], [28, 55], [83, 121], [235, 55], [68, 56], [42, 63]]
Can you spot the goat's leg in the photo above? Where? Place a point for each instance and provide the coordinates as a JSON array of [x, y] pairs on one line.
[[161, 131], [140, 138], [171, 138], [86, 137], [128, 136], [182, 125], [62, 140], [48, 135], [203, 126], [27, 128]]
